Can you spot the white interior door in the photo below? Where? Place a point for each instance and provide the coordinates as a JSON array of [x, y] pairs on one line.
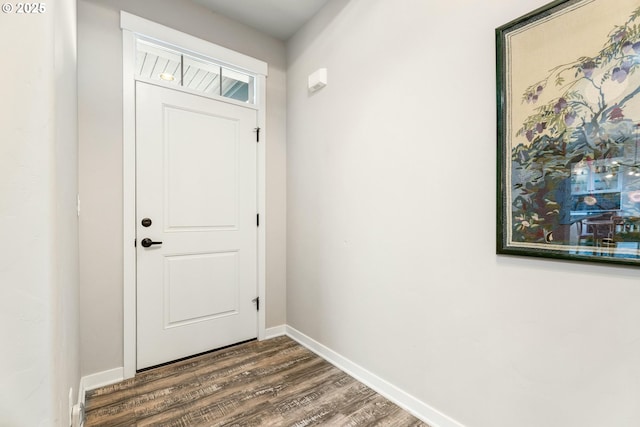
[[196, 185]]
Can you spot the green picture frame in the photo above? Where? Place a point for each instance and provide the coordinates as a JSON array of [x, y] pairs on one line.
[[568, 127]]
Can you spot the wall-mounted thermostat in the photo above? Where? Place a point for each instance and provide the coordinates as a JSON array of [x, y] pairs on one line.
[[318, 79]]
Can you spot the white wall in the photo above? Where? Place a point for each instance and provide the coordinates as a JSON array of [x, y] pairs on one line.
[[38, 224], [391, 228], [100, 130], [65, 297], [26, 220]]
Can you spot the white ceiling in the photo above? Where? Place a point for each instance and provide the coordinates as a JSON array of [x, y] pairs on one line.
[[278, 18]]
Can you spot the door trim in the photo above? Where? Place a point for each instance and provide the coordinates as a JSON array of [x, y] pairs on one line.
[[132, 25]]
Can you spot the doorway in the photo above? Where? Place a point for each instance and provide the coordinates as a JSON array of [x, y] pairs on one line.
[[225, 263]]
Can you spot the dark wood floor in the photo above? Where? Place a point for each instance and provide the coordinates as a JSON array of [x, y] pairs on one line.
[[276, 382]]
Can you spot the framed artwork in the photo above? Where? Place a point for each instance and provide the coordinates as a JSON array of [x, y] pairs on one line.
[[568, 92]]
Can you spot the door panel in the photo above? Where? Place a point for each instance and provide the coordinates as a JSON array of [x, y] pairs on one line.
[[196, 181], [202, 179], [200, 287]]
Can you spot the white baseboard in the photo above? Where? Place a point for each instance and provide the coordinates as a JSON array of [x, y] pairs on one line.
[[407, 402], [99, 379], [276, 331]]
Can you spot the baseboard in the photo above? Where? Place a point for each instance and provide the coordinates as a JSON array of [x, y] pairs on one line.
[[419, 409], [99, 379], [276, 331]]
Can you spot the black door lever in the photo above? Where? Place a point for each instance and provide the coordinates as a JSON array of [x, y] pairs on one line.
[[146, 242]]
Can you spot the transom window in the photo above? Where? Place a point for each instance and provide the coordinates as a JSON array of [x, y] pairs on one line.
[[161, 63]]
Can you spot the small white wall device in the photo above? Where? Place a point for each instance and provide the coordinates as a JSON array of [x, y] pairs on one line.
[[317, 80]]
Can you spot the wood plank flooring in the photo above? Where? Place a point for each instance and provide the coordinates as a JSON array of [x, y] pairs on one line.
[[276, 382]]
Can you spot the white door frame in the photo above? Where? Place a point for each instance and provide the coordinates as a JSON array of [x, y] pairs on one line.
[[131, 26]]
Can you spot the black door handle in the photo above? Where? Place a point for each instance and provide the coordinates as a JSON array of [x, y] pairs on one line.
[[146, 242]]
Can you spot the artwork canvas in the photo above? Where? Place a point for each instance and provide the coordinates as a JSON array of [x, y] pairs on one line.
[[568, 79]]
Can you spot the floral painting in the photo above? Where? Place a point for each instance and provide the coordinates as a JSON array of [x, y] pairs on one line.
[[569, 132]]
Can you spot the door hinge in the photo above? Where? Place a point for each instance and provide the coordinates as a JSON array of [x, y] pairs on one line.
[[258, 220], [257, 301], [135, 243], [257, 131]]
